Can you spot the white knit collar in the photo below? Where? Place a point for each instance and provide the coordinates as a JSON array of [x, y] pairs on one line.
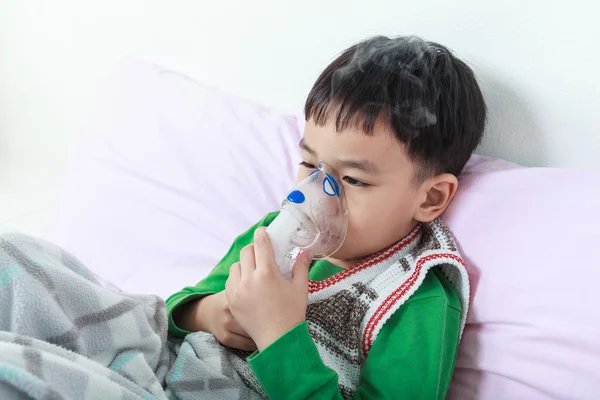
[[393, 253]]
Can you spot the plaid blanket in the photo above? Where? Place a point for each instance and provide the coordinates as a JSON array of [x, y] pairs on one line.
[[64, 334]]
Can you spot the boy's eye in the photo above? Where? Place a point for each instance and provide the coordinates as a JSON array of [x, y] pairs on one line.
[[355, 182], [307, 165]]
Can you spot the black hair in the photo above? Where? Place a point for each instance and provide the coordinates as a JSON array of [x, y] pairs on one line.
[[428, 98]]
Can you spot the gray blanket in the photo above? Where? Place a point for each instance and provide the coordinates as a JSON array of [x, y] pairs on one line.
[[65, 335]]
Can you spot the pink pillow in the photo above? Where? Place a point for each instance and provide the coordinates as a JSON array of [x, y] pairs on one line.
[[169, 174], [528, 235], [171, 171]]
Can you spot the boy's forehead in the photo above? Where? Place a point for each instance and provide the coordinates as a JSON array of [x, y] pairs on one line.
[[323, 141], [323, 137]]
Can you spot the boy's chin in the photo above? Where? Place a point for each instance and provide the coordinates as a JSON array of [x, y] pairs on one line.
[[345, 258]]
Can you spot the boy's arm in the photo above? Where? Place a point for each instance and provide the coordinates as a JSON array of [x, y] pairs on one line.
[[415, 355], [214, 282], [412, 358]]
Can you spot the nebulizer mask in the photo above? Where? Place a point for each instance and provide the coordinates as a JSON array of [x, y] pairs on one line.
[[313, 217]]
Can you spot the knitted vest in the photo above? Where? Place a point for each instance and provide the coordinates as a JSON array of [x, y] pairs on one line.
[[346, 312]]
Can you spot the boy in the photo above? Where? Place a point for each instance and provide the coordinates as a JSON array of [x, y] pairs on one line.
[[398, 119]]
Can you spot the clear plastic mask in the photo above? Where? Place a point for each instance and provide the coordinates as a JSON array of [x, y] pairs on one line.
[[314, 216]]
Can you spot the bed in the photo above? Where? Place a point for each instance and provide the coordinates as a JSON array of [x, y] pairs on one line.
[[170, 171]]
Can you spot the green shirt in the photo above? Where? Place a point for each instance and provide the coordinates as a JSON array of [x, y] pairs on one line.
[[412, 358]]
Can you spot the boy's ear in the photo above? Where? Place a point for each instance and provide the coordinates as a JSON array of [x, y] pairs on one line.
[[438, 192]]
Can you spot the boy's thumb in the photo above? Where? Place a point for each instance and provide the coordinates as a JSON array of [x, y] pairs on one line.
[[301, 266]]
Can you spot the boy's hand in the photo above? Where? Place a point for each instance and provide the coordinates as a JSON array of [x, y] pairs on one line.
[[211, 314], [222, 324], [264, 303]]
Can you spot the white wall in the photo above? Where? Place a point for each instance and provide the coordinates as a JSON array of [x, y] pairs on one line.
[[537, 61]]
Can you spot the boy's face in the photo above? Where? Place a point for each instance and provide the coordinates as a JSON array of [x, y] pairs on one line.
[[378, 177]]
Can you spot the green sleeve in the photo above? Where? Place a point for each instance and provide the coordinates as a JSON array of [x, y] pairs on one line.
[[412, 358], [215, 281], [413, 355]]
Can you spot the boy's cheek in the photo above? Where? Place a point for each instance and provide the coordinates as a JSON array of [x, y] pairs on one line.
[[302, 174], [351, 248]]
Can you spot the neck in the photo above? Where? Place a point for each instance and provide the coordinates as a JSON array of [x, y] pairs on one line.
[[348, 263], [345, 264]]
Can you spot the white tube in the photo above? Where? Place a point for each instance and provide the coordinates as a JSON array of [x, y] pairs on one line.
[[280, 232]]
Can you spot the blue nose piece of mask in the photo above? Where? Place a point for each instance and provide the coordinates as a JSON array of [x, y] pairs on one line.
[[296, 197], [313, 216]]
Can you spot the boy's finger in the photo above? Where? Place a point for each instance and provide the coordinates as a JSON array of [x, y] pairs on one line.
[[263, 250], [301, 267], [234, 277], [247, 261], [236, 328], [240, 342]]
